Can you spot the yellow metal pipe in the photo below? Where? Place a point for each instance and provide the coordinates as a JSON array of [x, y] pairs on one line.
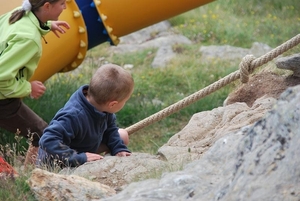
[[122, 17]]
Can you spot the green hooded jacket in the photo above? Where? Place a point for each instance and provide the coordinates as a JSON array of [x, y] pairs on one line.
[[20, 52]]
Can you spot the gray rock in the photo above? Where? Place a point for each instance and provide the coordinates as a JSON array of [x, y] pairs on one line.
[[168, 40], [48, 186], [163, 56], [259, 49], [267, 162], [259, 162], [157, 36], [145, 34], [118, 172], [227, 52], [206, 127], [290, 63], [156, 42]]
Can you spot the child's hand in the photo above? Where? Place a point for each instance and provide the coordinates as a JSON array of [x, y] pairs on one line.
[[93, 157], [37, 89], [123, 153], [56, 27]]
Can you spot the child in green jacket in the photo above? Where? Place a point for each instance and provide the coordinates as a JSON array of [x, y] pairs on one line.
[[20, 51]]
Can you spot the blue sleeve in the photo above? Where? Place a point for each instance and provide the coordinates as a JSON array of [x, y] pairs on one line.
[[56, 140], [112, 139]]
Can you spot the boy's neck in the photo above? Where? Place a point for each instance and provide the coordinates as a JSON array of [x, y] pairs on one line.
[[100, 108]]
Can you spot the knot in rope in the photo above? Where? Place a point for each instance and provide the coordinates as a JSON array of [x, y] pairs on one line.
[[246, 68]]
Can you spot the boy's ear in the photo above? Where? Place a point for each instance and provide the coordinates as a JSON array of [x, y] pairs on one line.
[[112, 104]]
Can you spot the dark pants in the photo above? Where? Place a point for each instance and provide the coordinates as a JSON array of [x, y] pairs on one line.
[[18, 118]]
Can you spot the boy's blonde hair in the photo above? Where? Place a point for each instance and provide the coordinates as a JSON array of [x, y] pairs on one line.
[[110, 83]]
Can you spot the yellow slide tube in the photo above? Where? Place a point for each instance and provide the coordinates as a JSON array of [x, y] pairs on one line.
[[122, 17]]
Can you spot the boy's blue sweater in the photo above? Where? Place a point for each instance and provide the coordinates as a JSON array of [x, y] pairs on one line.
[[78, 128]]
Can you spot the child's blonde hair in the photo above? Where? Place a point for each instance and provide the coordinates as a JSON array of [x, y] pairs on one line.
[[110, 83]]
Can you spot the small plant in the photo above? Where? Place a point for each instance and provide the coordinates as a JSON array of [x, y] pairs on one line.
[[13, 186], [14, 148], [12, 189]]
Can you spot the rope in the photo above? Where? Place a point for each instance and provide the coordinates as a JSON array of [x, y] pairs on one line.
[[246, 67]]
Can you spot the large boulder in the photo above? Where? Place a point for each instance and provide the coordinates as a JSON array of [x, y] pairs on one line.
[[258, 162]]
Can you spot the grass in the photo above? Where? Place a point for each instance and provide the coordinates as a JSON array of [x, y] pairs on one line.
[[226, 22], [15, 189]]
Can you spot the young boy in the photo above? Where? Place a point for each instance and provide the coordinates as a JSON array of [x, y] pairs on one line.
[[85, 126]]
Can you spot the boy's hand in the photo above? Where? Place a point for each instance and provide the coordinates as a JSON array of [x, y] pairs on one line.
[[93, 157], [56, 27], [123, 153]]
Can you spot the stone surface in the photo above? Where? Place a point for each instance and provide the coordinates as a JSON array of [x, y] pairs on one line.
[[258, 162], [146, 34], [163, 56], [290, 63], [227, 52], [205, 128], [117, 172], [49, 186]]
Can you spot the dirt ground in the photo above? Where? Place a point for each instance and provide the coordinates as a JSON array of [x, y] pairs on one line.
[[265, 83]]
